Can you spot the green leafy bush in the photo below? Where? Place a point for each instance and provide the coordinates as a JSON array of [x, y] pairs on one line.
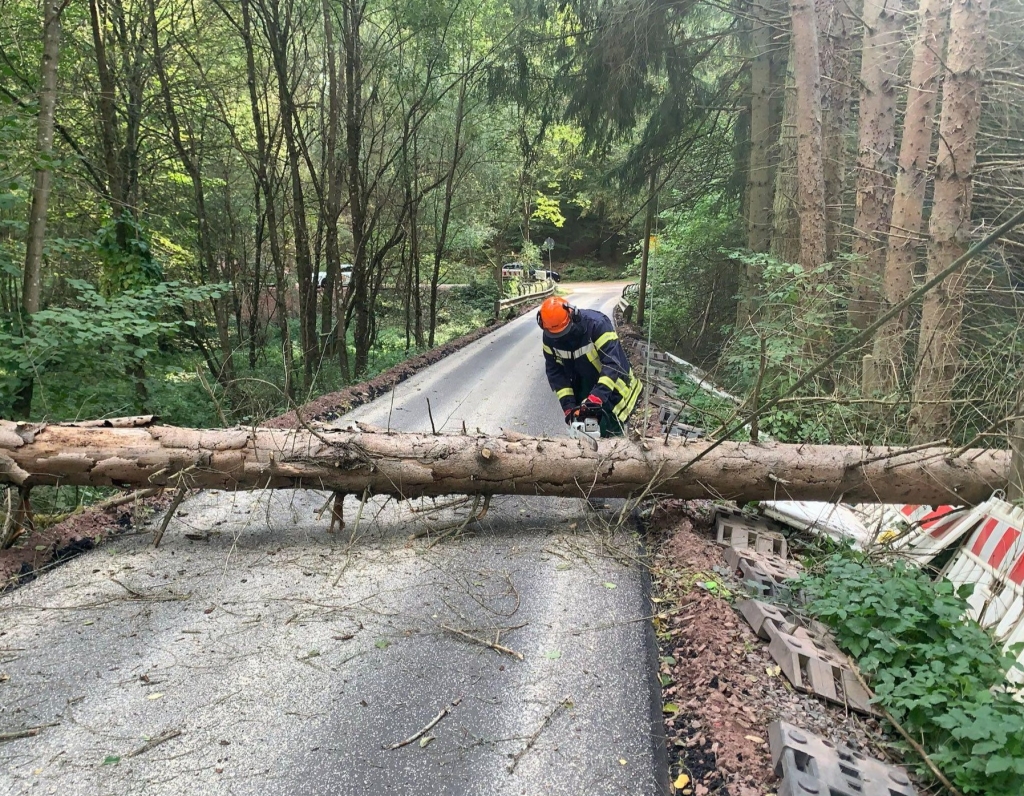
[[99, 335], [691, 277], [939, 675], [477, 295]]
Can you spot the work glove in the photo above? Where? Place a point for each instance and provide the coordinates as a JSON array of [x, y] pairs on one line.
[[592, 406], [571, 413]]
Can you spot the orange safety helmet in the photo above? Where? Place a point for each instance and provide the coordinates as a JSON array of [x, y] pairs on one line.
[[555, 316]]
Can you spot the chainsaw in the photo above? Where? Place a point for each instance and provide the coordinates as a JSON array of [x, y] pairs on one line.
[[587, 430]]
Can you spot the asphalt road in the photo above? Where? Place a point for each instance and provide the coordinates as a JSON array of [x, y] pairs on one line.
[[289, 659]]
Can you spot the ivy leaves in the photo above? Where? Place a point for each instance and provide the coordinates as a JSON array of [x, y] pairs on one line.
[[937, 674]]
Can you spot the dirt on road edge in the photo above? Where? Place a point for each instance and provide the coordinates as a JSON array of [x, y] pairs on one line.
[[720, 687]]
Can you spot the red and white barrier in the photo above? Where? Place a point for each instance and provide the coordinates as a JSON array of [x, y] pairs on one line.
[[932, 529], [993, 560]]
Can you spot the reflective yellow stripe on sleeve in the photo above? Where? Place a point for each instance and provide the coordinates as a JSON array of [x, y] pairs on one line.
[[549, 350], [628, 394], [625, 407], [565, 392], [607, 337]]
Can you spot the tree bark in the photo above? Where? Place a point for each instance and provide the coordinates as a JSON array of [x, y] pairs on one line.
[[135, 453], [785, 245], [876, 154], [810, 166], [333, 169], [32, 277], [911, 180], [950, 225], [836, 42], [759, 177], [441, 244]]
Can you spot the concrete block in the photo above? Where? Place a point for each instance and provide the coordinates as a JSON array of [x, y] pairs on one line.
[[756, 612], [810, 665], [764, 575], [742, 531], [810, 765]]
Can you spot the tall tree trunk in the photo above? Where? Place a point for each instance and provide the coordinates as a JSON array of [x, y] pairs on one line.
[[32, 277], [879, 74], [785, 244], [950, 226], [835, 33], [759, 178], [256, 282], [328, 330], [810, 166], [911, 180], [761, 165], [107, 113], [279, 37], [120, 146], [441, 244], [269, 196], [359, 287]]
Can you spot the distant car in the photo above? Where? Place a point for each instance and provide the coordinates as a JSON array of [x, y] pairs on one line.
[[554, 276], [344, 276]]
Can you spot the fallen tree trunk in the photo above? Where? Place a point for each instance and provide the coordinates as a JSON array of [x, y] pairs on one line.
[[134, 452]]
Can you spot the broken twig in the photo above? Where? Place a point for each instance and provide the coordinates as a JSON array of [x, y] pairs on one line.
[[152, 743], [430, 413], [494, 645], [28, 732], [433, 722], [178, 497], [565, 703]]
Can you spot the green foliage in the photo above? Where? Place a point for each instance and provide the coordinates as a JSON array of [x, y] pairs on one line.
[[127, 261], [703, 409], [587, 269], [548, 209], [691, 280], [939, 675], [477, 295], [98, 336], [794, 326]]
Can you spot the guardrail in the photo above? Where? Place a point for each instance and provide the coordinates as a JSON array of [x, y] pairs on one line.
[[534, 290], [624, 305]]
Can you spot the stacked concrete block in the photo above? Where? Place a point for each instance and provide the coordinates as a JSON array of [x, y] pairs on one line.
[[810, 765], [734, 529], [807, 655], [763, 575], [811, 666]]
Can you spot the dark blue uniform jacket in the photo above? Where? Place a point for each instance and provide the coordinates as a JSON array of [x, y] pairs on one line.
[[590, 360]]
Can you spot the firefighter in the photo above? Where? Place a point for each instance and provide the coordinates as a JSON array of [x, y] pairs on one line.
[[586, 365]]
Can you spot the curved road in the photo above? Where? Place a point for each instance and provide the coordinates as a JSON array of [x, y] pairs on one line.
[[288, 659]]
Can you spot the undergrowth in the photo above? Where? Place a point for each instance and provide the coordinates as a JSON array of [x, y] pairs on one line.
[[940, 676]]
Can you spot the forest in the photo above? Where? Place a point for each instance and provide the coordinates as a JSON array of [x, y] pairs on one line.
[[213, 210]]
